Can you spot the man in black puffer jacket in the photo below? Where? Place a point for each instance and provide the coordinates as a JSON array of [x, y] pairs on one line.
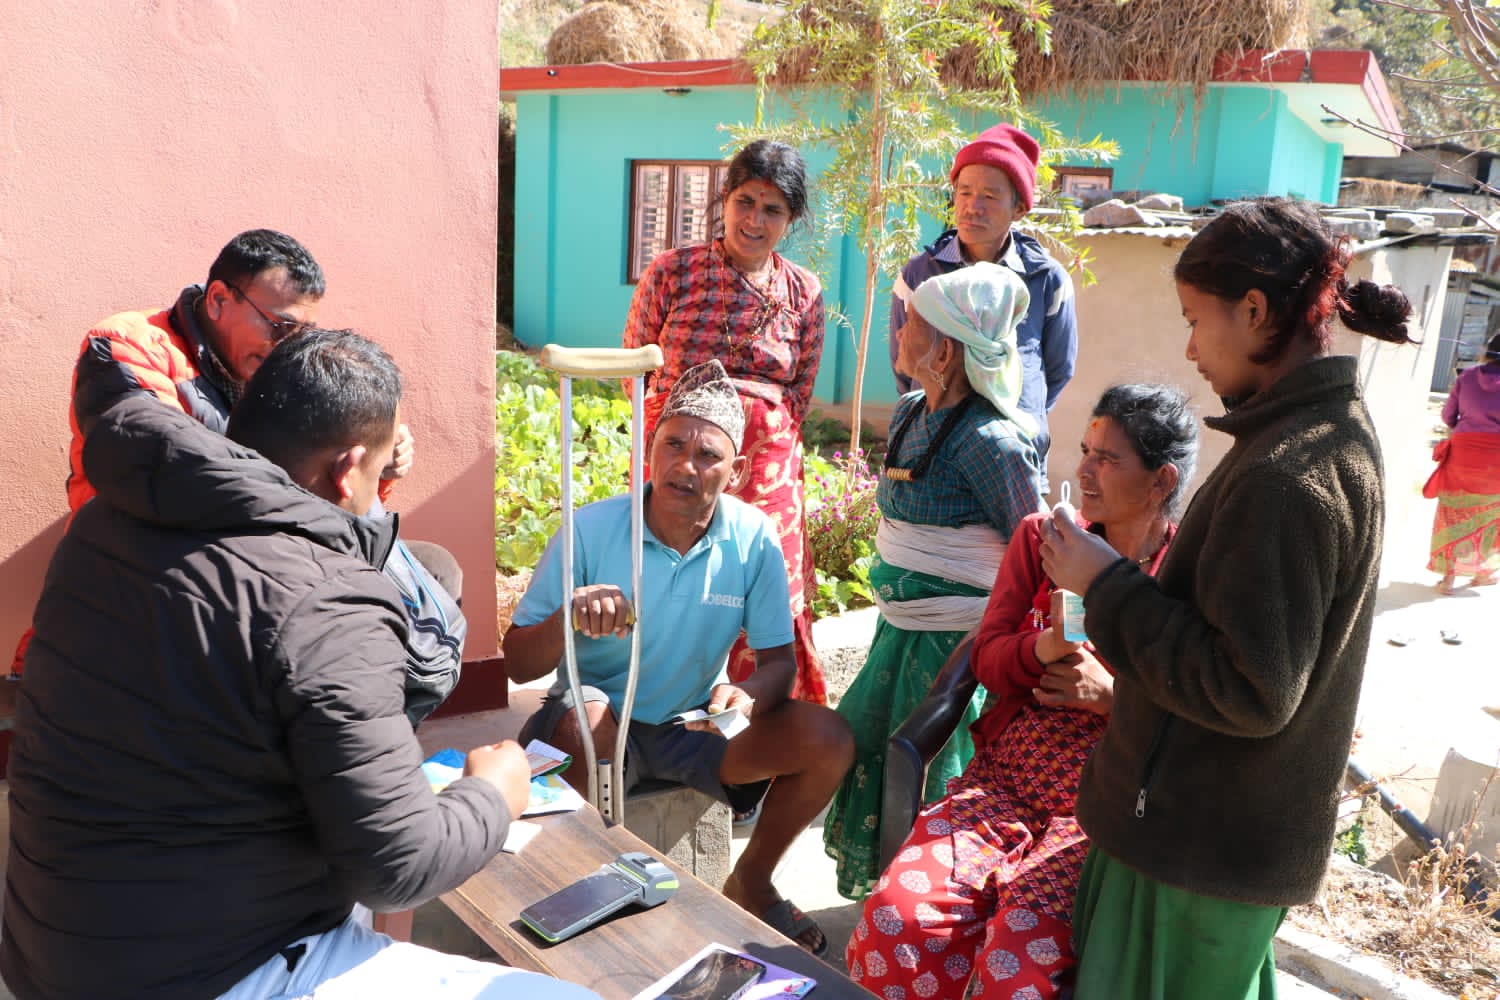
[[211, 762]]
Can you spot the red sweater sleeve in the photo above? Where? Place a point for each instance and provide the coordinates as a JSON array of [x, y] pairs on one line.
[[1004, 655]]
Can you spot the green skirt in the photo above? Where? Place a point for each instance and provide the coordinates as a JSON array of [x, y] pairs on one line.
[[1139, 939], [897, 675]]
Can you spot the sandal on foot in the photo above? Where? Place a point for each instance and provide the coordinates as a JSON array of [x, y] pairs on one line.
[[1484, 580], [1451, 637], [785, 917], [741, 820]]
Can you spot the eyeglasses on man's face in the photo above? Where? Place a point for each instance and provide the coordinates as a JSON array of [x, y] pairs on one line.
[[280, 328]]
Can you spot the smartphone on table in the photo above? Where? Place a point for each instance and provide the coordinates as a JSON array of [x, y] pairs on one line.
[[581, 905], [719, 975]]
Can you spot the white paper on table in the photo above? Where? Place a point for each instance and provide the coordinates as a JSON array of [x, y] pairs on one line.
[[519, 835]]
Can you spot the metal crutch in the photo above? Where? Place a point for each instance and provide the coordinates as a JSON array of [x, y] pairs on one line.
[[606, 791]]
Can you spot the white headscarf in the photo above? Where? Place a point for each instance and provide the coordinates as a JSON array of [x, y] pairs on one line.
[[981, 306]]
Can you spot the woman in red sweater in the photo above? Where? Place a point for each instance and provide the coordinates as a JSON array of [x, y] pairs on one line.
[[983, 888]]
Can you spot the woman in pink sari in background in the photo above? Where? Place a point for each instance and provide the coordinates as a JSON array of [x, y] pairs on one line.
[[1466, 527]]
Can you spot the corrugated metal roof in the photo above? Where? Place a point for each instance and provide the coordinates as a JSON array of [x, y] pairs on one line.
[[1159, 232]]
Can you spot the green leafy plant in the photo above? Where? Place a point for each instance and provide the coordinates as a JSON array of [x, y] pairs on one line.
[[1351, 843], [841, 519], [528, 454]]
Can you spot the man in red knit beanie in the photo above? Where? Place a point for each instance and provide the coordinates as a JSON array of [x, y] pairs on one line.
[[994, 184]]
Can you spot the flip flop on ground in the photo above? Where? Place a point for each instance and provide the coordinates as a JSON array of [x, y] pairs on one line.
[[786, 917], [1451, 637]]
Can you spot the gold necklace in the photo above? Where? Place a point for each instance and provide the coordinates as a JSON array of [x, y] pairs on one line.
[[1145, 560], [897, 474], [764, 312]]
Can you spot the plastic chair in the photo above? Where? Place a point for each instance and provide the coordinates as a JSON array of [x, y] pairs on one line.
[[917, 741]]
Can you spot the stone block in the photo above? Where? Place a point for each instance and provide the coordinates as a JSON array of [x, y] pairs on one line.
[[1115, 213], [1410, 222], [685, 825], [1449, 218], [1467, 792], [1359, 229], [1160, 203]]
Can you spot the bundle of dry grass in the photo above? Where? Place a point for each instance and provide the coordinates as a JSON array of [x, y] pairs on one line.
[[1096, 42], [1424, 926], [1362, 191], [602, 32], [639, 31]]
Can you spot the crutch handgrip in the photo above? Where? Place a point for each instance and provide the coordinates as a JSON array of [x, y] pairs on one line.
[[601, 362]]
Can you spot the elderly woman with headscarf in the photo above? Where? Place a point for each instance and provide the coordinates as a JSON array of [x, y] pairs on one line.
[[960, 474]]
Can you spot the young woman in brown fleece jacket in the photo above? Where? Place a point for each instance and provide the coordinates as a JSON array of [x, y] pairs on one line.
[[1210, 799]]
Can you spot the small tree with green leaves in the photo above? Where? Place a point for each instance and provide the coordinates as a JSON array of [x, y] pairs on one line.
[[901, 74]]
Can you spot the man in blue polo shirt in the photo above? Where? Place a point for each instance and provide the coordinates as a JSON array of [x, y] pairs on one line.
[[713, 567]]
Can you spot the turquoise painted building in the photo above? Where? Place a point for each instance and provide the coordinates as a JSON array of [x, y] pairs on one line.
[[613, 160]]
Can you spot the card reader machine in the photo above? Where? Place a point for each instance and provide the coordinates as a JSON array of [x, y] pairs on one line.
[[634, 878]]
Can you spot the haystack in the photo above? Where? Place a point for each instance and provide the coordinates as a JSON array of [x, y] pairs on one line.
[[603, 32], [1098, 41], [638, 31], [1095, 42]]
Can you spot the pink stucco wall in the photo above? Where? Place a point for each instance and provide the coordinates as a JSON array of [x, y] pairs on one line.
[[136, 138]]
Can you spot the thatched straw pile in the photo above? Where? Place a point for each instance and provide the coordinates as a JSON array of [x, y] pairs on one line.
[[1095, 42], [639, 31]]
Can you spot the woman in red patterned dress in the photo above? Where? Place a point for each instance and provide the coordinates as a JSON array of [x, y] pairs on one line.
[[983, 887], [738, 300]]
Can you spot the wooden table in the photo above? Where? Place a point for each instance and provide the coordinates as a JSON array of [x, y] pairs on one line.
[[629, 952]]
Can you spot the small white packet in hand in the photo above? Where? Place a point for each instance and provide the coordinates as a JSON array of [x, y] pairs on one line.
[[730, 722]]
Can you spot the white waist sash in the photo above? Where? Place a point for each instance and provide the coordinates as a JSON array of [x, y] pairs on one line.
[[969, 554]]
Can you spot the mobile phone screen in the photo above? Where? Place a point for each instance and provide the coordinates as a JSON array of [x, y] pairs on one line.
[[718, 975], [566, 907]]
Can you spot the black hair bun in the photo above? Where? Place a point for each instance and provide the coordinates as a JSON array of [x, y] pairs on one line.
[[1381, 310]]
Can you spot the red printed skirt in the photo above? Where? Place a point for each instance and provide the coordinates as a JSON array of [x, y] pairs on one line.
[[983, 888]]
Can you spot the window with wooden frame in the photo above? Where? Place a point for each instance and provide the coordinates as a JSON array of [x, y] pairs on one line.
[[673, 203], [1085, 184]]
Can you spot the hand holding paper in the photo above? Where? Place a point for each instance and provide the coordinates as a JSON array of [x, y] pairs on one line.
[[729, 722]]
